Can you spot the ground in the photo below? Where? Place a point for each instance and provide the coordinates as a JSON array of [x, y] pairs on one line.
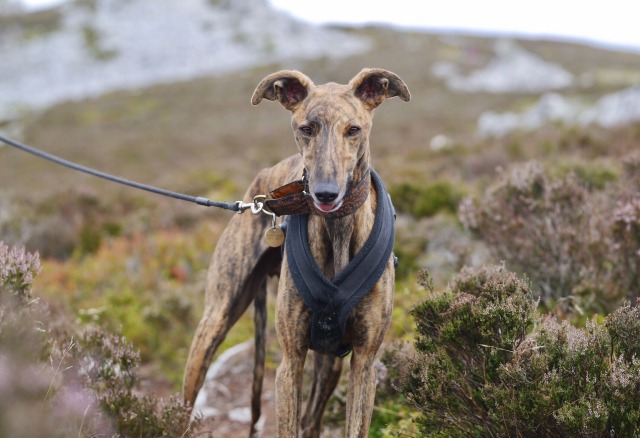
[[225, 399]]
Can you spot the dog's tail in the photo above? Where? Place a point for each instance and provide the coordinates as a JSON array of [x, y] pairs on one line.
[[260, 327]]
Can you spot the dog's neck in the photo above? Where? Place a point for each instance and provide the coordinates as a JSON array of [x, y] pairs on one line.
[[339, 239]]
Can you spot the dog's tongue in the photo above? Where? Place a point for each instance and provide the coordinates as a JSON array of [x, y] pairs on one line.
[[326, 207]]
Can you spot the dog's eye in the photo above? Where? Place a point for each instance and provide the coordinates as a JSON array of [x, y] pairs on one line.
[[306, 129], [353, 131]]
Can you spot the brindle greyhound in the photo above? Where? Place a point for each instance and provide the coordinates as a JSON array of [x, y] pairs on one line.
[[331, 125]]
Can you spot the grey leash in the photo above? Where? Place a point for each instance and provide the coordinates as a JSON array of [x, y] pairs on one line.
[[237, 206]]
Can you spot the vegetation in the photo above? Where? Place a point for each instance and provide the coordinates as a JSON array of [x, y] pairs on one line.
[[427, 200], [539, 336], [482, 371], [570, 240], [76, 382]]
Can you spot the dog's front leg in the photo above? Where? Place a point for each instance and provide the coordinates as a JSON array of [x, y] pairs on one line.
[[361, 395], [292, 326], [373, 316], [327, 370], [289, 396]]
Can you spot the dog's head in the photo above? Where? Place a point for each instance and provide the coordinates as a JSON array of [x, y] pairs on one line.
[[331, 124]]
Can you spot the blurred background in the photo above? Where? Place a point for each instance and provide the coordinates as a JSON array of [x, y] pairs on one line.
[[159, 92]]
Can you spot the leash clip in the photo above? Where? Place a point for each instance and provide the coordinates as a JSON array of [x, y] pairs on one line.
[[256, 206], [273, 236]]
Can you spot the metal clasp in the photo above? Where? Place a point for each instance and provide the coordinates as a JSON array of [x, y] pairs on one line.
[[256, 206]]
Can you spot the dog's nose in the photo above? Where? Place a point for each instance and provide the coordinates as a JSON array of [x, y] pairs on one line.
[[326, 192]]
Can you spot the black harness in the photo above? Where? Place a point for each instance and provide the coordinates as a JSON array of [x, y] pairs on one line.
[[332, 301]]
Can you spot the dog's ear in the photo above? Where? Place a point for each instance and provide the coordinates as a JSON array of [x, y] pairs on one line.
[[289, 87], [374, 85]]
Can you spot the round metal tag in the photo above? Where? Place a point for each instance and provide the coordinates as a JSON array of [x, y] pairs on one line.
[[274, 237]]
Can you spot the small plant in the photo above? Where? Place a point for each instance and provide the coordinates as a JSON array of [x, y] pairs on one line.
[[18, 268]]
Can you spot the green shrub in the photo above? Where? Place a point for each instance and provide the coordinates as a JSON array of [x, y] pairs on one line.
[[425, 201], [479, 372], [594, 175], [463, 337]]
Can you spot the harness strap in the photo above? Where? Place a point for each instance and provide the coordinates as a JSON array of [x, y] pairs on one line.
[[332, 301]]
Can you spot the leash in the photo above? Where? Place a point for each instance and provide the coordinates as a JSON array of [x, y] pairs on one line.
[[291, 199], [239, 206]]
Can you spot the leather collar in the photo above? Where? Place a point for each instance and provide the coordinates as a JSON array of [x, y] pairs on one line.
[[294, 199]]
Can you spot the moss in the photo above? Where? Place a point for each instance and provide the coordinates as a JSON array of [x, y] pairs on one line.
[[594, 174], [427, 200]]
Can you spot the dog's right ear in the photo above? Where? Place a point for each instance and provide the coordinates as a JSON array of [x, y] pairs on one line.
[[289, 87]]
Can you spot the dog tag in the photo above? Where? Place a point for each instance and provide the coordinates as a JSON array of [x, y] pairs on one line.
[[274, 237]]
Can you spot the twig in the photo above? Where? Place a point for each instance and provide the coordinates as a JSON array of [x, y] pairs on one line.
[[83, 417], [64, 354]]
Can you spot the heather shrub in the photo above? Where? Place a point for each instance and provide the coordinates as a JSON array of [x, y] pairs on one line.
[[570, 382], [106, 365], [487, 367], [463, 338], [58, 384], [17, 271], [624, 328], [560, 234], [625, 239], [631, 167]]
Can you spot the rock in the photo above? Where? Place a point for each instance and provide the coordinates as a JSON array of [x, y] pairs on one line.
[[611, 110], [513, 70], [112, 45], [551, 107], [614, 109], [440, 142]]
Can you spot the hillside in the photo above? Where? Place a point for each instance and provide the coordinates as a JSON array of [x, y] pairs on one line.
[[158, 92], [182, 113]]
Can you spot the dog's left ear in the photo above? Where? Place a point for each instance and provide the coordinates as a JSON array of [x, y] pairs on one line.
[[289, 87], [374, 85]]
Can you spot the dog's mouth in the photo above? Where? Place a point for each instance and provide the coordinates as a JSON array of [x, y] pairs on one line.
[[327, 207]]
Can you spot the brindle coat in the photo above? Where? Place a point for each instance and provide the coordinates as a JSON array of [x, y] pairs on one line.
[[331, 125]]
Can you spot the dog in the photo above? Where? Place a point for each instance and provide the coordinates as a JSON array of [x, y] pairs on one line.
[[331, 125]]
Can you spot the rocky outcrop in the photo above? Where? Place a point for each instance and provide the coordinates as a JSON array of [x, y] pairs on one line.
[[104, 45]]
